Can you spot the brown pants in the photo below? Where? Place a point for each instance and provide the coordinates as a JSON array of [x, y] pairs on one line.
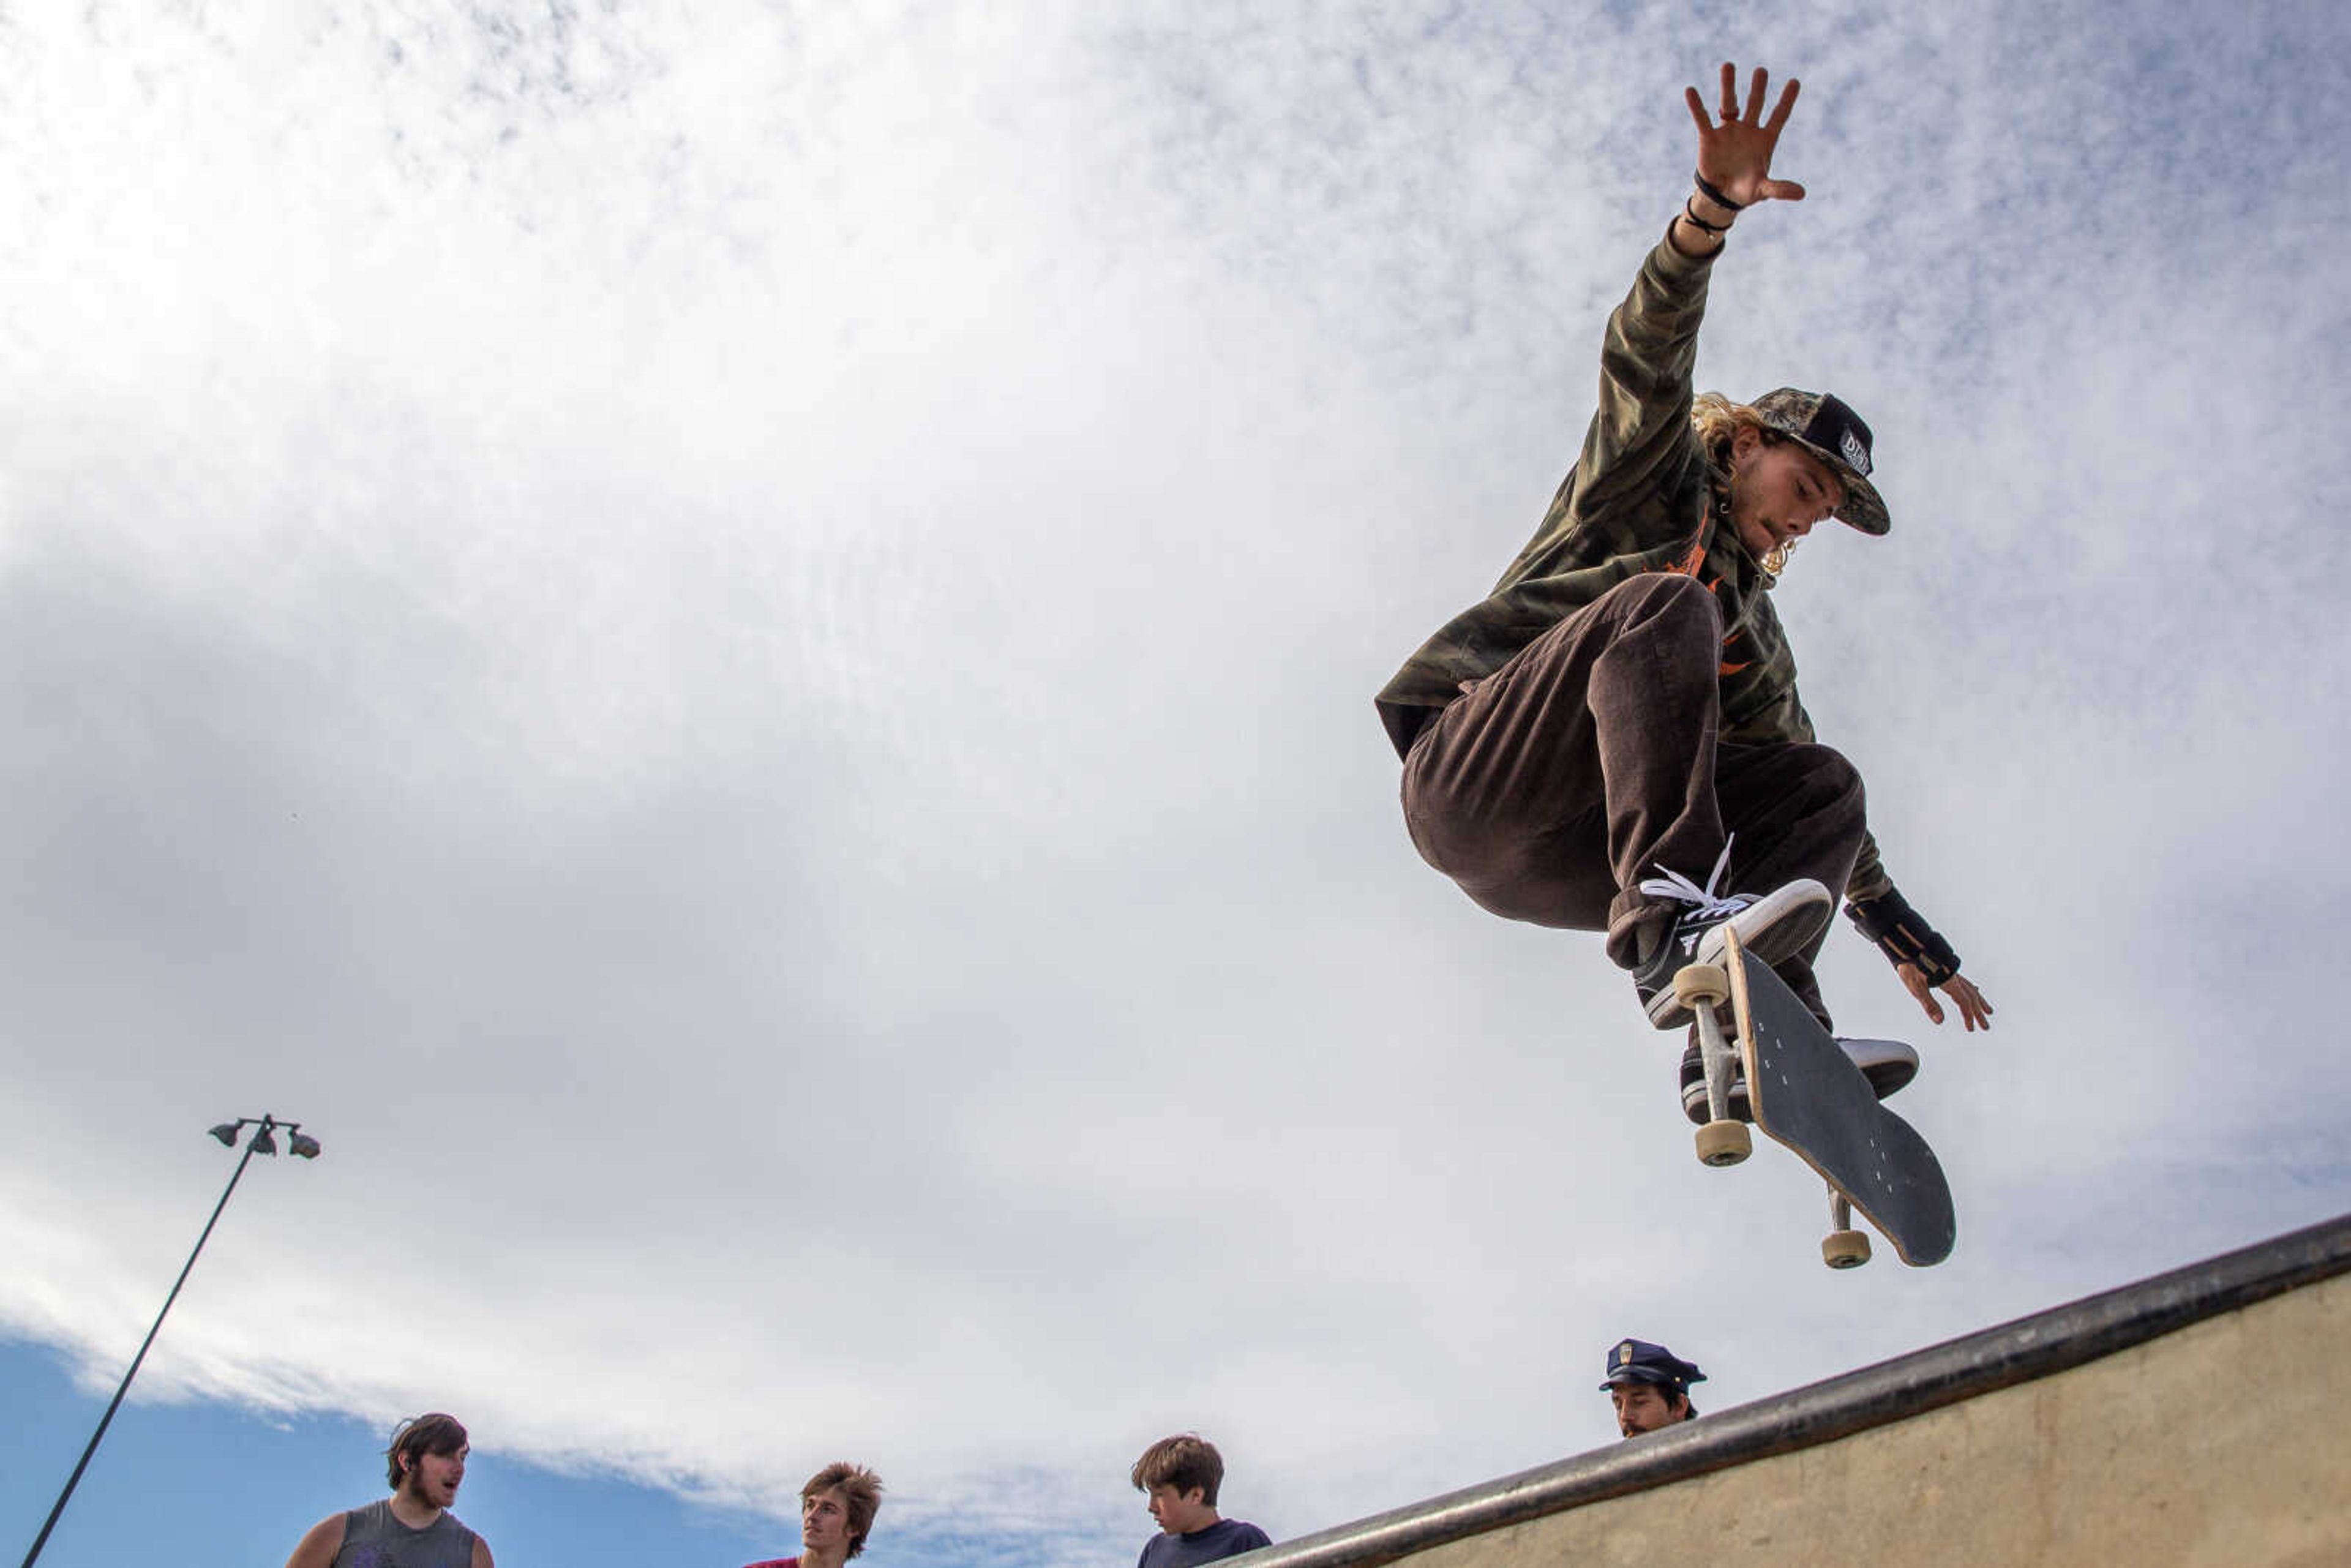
[[1592, 759]]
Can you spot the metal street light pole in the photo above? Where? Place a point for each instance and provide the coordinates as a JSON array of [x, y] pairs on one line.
[[261, 1142]]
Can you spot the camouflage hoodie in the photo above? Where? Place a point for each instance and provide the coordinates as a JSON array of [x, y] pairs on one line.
[[1640, 498]]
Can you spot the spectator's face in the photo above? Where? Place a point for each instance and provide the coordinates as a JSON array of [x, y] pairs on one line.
[[824, 1521], [433, 1478], [1181, 1512], [1643, 1407]]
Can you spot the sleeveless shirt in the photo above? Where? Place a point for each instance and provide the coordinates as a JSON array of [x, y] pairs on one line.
[[374, 1538]]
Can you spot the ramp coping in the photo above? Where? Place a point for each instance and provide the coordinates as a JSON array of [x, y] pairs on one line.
[[2030, 1347]]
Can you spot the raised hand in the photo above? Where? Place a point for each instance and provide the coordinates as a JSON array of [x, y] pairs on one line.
[[1734, 155]]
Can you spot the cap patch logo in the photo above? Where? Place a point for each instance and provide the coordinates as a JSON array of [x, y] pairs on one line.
[[1624, 1353], [1856, 453]]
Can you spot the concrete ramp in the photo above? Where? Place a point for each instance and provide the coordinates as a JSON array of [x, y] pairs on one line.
[[2201, 1416]]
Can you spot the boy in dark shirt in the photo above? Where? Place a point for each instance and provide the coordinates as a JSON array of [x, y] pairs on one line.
[[1181, 1475]]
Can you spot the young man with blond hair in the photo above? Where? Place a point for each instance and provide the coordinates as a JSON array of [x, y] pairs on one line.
[[837, 1509], [1611, 740], [414, 1528], [1181, 1475]]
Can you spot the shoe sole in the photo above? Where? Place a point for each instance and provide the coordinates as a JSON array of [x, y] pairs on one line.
[[1775, 927], [1888, 1075]]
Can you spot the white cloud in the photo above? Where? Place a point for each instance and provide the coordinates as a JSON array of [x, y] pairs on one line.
[[736, 651]]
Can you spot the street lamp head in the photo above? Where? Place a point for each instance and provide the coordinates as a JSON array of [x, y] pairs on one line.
[[227, 1133], [302, 1146], [264, 1143]]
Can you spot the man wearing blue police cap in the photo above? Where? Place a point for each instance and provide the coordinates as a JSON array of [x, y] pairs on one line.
[[1650, 1386]]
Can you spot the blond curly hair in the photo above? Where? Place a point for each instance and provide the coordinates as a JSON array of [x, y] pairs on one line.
[[1718, 422]]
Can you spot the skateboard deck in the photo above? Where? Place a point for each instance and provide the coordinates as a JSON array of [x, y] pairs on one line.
[[1807, 1095]]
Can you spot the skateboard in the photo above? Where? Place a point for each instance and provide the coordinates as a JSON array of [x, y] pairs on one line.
[[1807, 1095]]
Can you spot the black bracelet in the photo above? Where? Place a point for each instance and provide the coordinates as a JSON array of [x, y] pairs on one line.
[[1692, 219], [1717, 197]]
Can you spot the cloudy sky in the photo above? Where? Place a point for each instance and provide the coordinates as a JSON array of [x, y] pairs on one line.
[[732, 644]]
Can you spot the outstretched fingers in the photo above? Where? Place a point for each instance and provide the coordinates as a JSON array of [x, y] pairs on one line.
[[1975, 1007], [1777, 189], [1736, 142], [1759, 89]]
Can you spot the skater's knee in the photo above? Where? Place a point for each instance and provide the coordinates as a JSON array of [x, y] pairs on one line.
[[1830, 766], [1664, 610], [1666, 593], [1832, 791]]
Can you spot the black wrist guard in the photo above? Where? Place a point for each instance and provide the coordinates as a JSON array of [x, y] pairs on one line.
[[1890, 923]]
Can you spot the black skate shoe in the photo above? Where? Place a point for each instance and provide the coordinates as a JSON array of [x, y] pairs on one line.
[[1772, 925], [1888, 1064]]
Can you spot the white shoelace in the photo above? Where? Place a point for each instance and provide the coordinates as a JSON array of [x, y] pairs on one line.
[[1704, 901]]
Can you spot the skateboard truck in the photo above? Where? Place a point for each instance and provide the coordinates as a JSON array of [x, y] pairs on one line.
[[1702, 988], [1843, 1247]]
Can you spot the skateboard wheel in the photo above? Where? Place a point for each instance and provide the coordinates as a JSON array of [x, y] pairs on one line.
[[1844, 1249], [1701, 985], [1724, 1143]]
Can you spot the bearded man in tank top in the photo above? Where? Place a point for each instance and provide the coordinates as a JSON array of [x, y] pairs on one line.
[[412, 1528]]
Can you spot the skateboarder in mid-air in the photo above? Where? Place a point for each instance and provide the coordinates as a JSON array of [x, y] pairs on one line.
[[1611, 740]]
